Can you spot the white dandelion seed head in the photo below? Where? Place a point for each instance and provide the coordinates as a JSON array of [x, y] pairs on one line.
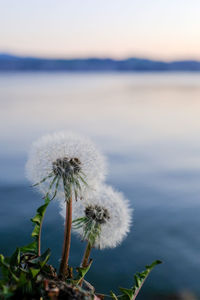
[[59, 152], [110, 209]]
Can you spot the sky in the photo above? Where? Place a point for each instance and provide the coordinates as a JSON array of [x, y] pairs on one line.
[[157, 29]]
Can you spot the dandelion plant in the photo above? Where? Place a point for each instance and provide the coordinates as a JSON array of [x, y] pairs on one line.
[[103, 220], [63, 166], [69, 169]]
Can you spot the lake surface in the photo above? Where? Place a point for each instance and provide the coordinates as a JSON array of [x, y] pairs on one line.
[[148, 125]]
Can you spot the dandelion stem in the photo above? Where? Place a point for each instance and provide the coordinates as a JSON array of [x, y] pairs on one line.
[[67, 238], [85, 259], [86, 255]]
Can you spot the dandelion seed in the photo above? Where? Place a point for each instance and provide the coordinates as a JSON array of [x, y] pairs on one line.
[[61, 166]]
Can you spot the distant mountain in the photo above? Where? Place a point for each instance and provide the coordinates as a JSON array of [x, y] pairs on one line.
[[17, 63]]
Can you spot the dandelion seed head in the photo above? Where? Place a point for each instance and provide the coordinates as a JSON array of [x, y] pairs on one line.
[[63, 154], [110, 210], [97, 213], [65, 166]]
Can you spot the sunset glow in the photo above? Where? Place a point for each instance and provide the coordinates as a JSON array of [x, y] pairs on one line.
[[49, 28]]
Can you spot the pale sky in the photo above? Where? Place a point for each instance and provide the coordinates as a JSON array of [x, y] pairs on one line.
[[159, 29]]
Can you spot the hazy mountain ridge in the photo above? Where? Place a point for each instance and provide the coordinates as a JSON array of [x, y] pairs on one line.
[[18, 63]]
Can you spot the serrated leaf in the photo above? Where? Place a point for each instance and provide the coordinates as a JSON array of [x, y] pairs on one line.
[[155, 263], [113, 295], [37, 220], [131, 294], [41, 210], [137, 279], [30, 248], [128, 292], [36, 231]]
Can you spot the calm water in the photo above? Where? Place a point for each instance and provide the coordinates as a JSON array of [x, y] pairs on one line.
[[149, 127]]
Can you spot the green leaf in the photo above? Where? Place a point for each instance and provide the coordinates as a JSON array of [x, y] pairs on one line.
[[81, 273], [34, 272], [6, 269], [113, 295], [41, 260], [2, 259], [36, 231], [37, 220], [32, 248], [155, 263], [5, 292], [131, 294], [4, 263], [40, 214], [22, 278], [15, 258]]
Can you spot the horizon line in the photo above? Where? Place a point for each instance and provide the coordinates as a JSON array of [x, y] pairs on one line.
[[93, 56]]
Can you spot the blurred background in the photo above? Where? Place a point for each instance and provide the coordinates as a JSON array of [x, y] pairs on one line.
[[126, 74]]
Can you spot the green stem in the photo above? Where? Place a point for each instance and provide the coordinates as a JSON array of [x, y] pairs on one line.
[[86, 255], [85, 259], [67, 239]]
